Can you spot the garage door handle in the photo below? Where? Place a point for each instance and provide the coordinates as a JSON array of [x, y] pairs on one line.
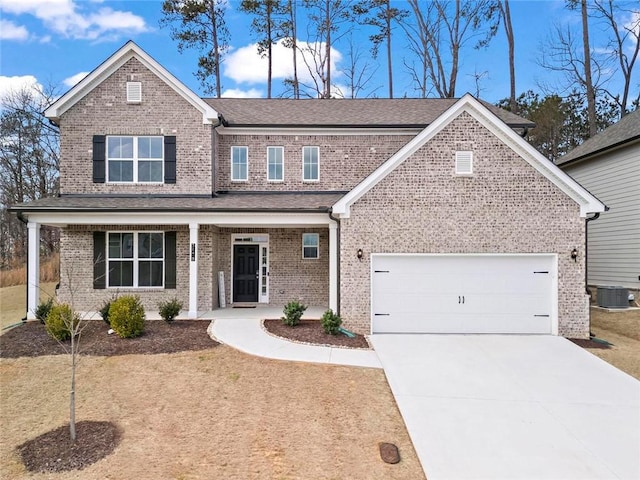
[[547, 316], [542, 271], [460, 299], [381, 271], [381, 314]]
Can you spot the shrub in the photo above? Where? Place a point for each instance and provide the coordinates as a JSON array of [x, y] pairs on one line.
[[61, 321], [126, 316], [42, 310], [170, 310], [292, 313], [331, 322], [104, 311]]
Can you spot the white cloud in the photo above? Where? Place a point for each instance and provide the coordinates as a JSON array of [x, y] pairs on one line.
[[74, 79], [238, 93], [10, 85], [11, 31], [65, 18], [245, 65]]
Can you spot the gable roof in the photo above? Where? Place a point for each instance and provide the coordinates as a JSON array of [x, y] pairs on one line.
[[114, 62], [626, 131], [588, 203], [360, 112]]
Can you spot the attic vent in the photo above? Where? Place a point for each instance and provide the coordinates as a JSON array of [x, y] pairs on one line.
[[464, 163], [134, 92]]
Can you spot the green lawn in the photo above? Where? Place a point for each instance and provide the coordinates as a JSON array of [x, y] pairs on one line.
[[13, 301]]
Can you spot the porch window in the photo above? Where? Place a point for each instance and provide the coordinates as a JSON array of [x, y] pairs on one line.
[[275, 164], [310, 164], [135, 159], [310, 245], [135, 259], [239, 164]]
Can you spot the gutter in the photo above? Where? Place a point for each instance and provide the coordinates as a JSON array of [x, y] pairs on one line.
[[26, 306], [337, 220], [586, 261]]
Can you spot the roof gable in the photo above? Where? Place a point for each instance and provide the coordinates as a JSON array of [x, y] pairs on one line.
[[588, 203], [113, 63]]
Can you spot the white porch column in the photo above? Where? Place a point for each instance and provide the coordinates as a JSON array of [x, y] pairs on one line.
[[33, 269], [333, 266], [193, 270]]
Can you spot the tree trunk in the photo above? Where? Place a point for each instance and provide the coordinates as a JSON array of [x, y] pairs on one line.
[[294, 48], [508, 28], [591, 96], [216, 52], [328, 47], [388, 20], [269, 48], [72, 400]]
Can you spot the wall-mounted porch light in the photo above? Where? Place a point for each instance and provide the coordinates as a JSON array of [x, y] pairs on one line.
[[574, 255]]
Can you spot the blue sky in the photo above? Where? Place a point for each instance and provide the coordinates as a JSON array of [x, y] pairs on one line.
[[57, 41]]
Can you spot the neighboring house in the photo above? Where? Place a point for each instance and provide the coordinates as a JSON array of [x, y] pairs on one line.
[[420, 215], [608, 165]]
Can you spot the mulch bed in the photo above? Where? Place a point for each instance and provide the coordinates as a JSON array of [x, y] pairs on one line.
[[55, 452], [310, 331], [590, 343], [31, 339]]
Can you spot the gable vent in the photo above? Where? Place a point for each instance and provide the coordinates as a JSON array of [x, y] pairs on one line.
[[134, 92], [464, 163]]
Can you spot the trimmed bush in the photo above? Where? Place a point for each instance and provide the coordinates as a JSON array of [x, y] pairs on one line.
[[293, 313], [170, 310], [42, 310], [104, 311], [331, 322], [126, 316], [60, 321]]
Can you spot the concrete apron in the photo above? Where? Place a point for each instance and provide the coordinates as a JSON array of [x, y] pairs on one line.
[[513, 407]]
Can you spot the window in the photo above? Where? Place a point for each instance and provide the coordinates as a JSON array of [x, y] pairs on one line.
[[275, 164], [239, 166], [135, 159], [135, 259], [310, 163], [464, 163], [310, 245]]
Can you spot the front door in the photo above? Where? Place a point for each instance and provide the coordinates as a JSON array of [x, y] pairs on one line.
[[245, 273]]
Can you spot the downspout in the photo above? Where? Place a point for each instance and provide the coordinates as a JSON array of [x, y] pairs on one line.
[[586, 262], [214, 155], [26, 306], [337, 220]]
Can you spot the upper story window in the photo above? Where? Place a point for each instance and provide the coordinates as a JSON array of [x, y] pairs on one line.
[[135, 259], [310, 164], [239, 164], [135, 159], [275, 164]]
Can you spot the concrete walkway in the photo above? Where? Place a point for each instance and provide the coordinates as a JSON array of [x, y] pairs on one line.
[[247, 335]]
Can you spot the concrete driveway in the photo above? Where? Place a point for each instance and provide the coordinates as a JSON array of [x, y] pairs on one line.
[[513, 407]]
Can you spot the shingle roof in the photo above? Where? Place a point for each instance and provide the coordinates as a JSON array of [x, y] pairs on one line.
[[247, 202], [369, 112], [625, 131]]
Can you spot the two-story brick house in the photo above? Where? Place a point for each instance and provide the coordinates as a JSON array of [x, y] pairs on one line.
[[421, 215]]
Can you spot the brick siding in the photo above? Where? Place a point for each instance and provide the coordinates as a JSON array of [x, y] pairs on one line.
[[505, 207]]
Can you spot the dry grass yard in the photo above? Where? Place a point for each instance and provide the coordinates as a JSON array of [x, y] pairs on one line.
[[215, 413], [13, 302], [622, 329]]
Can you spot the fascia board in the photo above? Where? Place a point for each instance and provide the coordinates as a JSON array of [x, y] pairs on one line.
[[588, 203], [111, 65], [346, 130]]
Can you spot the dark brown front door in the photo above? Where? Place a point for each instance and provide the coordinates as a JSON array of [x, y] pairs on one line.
[[245, 273]]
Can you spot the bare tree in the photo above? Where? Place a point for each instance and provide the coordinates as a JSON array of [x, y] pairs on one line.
[[443, 29], [29, 165], [200, 24], [505, 16], [290, 27], [358, 71], [624, 43]]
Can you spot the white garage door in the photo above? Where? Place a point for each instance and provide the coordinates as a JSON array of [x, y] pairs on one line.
[[462, 293]]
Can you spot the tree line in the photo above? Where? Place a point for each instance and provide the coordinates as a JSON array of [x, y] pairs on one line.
[[596, 87]]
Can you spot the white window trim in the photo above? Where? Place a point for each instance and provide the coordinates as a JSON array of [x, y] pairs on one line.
[[311, 180], [459, 156], [275, 180], [317, 245], [135, 160], [246, 149], [136, 261]]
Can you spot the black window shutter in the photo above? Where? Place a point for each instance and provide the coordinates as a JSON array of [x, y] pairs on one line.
[[99, 260], [169, 259], [169, 159], [99, 156]]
